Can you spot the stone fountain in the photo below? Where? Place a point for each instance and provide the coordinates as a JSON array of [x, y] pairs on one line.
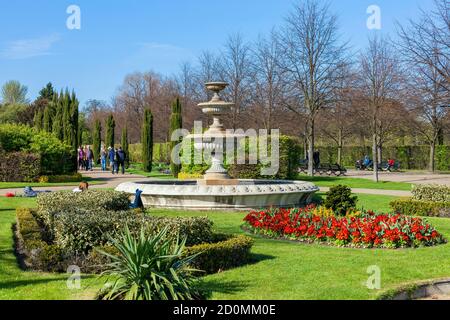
[[217, 191]]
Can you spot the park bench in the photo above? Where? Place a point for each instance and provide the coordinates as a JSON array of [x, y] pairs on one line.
[[330, 169]]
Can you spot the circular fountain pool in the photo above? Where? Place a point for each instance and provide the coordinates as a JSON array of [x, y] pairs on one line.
[[244, 195]]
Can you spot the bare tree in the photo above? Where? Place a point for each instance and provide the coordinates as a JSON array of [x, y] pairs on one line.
[[236, 71], [312, 55], [379, 82], [427, 42], [267, 80]]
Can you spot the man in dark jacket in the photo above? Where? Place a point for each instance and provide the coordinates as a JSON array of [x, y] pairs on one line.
[[112, 156], [120, 160]]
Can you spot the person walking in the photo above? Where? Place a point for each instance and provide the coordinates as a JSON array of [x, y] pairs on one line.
[[111, 158], [89, 158], [121, 160], [80, 158], [115, 160], [103, 156]]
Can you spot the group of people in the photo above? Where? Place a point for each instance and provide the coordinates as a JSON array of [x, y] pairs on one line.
[[85, 158], [114, 156]]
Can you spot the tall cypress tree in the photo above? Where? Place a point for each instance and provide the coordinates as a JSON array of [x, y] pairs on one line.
[[38, 116], [47, 119], [110, 128], [97, 140], [147, 140], [176, 122], [125, 146]]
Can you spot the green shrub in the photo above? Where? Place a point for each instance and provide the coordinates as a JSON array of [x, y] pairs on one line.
[[225, 252], [79, 230], [77, 177], [149, 267], [196, 230], [56, 157], [340, 199], [57, 202], [430, 192], [19, 166], [38, 254], [421, 208], [96, 261]]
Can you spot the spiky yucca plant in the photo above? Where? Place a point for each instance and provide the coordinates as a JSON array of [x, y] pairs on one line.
[[149, 268]]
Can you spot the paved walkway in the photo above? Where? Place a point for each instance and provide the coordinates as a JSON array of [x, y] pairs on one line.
[[409, 177]]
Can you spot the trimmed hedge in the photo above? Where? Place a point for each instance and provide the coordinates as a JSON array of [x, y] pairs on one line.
[[37, 254], [421, 208], [50, 204], [225, 252], [77, 177], [19, 166], [431, 192]]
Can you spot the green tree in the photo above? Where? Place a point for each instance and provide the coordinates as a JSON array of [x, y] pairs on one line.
[[47, 92], [38, 117], [147, 140], [13, 92], [97, 140], [125, 146], [110, 131], [47, 119], [176, 122]]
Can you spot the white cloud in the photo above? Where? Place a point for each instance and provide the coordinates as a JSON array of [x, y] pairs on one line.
[[29, 48]]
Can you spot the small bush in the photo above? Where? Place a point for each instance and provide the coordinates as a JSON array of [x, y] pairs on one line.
[[225, 253], [340, 199], [440, 193], [421, 208]]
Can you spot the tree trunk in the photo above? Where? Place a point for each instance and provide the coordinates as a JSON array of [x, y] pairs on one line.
[[311, 148], [340, 145], [380, 153], [375, 146], [432, 155]]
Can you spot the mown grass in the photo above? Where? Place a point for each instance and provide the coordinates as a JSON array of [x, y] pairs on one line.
[[281, 270], [360, 183]]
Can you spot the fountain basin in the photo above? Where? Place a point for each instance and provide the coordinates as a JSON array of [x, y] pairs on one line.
[[245, 195]]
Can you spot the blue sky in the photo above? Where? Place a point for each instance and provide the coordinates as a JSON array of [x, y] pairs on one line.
[[119, 37]]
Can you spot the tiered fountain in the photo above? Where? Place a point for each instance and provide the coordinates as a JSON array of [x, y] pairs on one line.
[[217, 190]]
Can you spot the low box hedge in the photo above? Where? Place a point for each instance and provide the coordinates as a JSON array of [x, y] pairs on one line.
[[35, 252], [225, 252], [52, 203], [421, 208]]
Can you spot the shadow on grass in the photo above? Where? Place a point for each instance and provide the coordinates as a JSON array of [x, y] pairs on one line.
[[208, 287]]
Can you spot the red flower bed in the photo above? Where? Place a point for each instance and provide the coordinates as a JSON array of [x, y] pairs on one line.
[[10, 195], [366, 230]]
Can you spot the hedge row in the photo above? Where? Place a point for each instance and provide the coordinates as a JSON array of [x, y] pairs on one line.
[[161, 152], [56, 158], [224, 253], [421, 208], [19, 166], [430, 192], [37, 254], [50, 204]]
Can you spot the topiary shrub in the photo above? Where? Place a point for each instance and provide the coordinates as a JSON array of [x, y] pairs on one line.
[[224, 252], [340, 199], [421, 208]]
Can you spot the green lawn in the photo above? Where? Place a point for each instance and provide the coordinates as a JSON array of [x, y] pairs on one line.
[[361, 183], [11, 185], [137, 169], [282, 270]]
